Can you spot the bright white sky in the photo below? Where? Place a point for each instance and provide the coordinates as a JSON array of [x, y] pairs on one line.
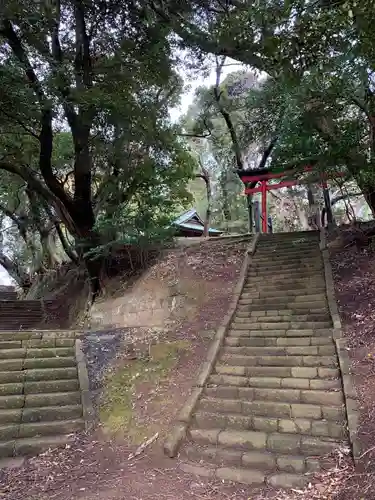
[[188, 98], [4, 277]]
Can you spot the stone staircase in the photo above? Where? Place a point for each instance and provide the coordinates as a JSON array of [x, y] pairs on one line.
[[273, 407], [40, 398]]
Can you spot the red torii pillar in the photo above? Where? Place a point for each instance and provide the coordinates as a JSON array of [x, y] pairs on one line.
[[264, 187]]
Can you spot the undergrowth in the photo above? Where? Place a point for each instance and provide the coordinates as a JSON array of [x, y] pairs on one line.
[[117, 404]]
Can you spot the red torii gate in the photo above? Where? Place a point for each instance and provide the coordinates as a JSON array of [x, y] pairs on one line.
[[253, 177]]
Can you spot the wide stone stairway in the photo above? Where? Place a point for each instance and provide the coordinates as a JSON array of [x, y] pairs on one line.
[[40, 394], [273, 407]]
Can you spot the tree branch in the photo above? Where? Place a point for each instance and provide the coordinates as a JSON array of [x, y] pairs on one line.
[[267, 152], [225, 114], [30, 178], [18, 50], [194, 36], [20, 122]]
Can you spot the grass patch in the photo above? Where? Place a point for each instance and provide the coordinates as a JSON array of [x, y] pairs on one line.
[[116, 410]]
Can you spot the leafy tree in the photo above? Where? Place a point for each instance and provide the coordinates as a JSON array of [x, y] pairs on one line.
[[319, 54], [84, 123]]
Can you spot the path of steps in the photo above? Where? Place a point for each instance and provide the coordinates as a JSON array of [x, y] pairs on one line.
[[40, 398], [273, 406]]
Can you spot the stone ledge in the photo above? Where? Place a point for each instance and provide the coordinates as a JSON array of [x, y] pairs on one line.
[[178, 433], [83, 378], [352, 411], [351, 406]]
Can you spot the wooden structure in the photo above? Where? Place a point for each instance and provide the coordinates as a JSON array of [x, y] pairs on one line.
[[251, 178], [190, 225]]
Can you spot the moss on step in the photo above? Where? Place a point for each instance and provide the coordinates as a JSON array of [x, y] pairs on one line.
[[116, 409]]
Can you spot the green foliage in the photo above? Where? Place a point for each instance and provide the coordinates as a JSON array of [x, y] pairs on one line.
[[84, 123]]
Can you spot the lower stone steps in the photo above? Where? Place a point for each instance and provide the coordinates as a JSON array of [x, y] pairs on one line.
[[306, 427], [261, 460], [40, 398]]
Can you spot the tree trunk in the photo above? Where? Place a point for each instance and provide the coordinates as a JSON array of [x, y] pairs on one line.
[[15, 271], [93, 262], [369, 195], [225, 198], [206, 177], [249, 201], [328, 209]]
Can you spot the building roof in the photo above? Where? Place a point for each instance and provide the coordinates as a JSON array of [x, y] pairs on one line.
[[191, 220]]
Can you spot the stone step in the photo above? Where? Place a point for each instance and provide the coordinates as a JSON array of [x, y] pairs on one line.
[[50, 374], [274, 316], [280, 273], [263, 291], [238, 356], [274, 409], [245, 324], [33, 446], [51, 386], [295, 308], [36, 335], [10, 344], [260, 460], [259, 294], [12, 402], [320, 332], [16, 374], [304, 302], [51, 413], [48, 352], [301, 319], [306, 427], [282, 371], [289, 239], [305, 396], [287, 281], [303, 265], [275, 382], [282, 242], [40, 363], [294, 287], [273, 442], [287, 259], [292, 350], [13, 353], [286, 254], [50, 428], [311, 297], [250, 477], [52, 399], [245, 340], [11, 388], [12, 416]]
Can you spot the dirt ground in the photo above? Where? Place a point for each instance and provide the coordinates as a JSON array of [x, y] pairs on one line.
[[134, 405], [100, 466]]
